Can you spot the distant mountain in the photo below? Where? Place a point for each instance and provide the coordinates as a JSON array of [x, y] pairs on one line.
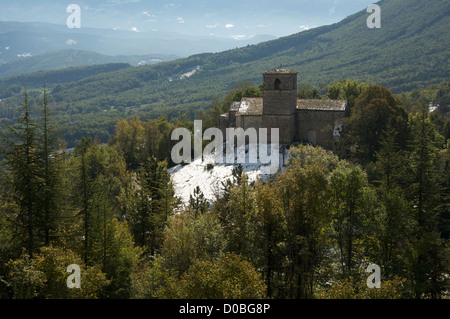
[[19, 40], [73, 58], [50, 78]]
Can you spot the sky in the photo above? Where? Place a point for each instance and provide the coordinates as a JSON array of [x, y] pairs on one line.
[[225, 18]]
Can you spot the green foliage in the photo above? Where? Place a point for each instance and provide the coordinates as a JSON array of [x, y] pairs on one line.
[[198, 204], [308, 91], [152, 204], [54, 77], [44, 276], [352, 202], [188, 238], [349, 289], [375, 109], [228, 277], [347, 90]]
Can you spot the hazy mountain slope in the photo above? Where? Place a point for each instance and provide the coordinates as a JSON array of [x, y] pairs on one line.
[[50, 78], [18, 39]]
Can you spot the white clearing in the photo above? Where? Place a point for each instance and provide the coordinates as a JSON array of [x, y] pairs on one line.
[[187, 177]]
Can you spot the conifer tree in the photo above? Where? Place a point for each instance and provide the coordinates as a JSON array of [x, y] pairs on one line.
[[50, 188], [197, 202], [395, 221], [154, 202], [426, 192], [21, 158]]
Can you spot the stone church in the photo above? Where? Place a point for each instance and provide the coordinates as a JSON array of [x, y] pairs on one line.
[[308, 121]]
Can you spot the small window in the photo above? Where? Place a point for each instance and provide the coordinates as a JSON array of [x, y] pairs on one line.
[[277, 84]]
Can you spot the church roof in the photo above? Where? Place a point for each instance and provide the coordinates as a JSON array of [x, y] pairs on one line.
[[250, 106], [322, 105], [280, 70], [254, 106]]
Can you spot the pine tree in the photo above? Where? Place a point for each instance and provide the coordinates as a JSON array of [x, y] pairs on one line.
[[395, 221], [20, 154], [154, 202], [50, 188], [349, 200], [426, 193], [197, 202], [269, 235]]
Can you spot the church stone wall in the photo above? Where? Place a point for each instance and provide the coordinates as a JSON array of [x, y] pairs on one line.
[[285, 124], [279, 102], [317, 126], [248, 121]]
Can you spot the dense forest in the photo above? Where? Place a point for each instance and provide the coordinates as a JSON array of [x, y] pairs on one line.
[[85, 153], [380, 197]]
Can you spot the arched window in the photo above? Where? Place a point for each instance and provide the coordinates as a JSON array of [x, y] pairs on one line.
[[277, 85]]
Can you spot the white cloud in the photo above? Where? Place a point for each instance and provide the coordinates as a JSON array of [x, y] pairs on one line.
[[71, 42], [331, 11], [24, 55], [180, 20], [239, 36], [121, 2], [135, 29], [171, 6], [304, 27], [229, 25], [150, 15], [212, 26]]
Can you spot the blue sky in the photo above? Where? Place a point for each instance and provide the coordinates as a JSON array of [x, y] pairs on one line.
[[224, 18]]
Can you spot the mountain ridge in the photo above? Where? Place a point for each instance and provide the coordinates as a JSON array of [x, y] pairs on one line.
[[39, 38], [74, 58]]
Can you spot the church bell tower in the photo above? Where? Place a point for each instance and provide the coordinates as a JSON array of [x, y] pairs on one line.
[[280, 102]]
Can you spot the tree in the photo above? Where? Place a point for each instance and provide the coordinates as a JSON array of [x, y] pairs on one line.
[[188, 238], [303, 196], [375, 109], [395, 221], [351, 202], [228, 277], [154, 202], [357, 289], [129, 137], [426, 193], [238, 225], [347, 90], [98, 174], [307, 91], [19, 150], [83, 189], [198, 204], [50, 190], [45, 276], [269, 237]]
